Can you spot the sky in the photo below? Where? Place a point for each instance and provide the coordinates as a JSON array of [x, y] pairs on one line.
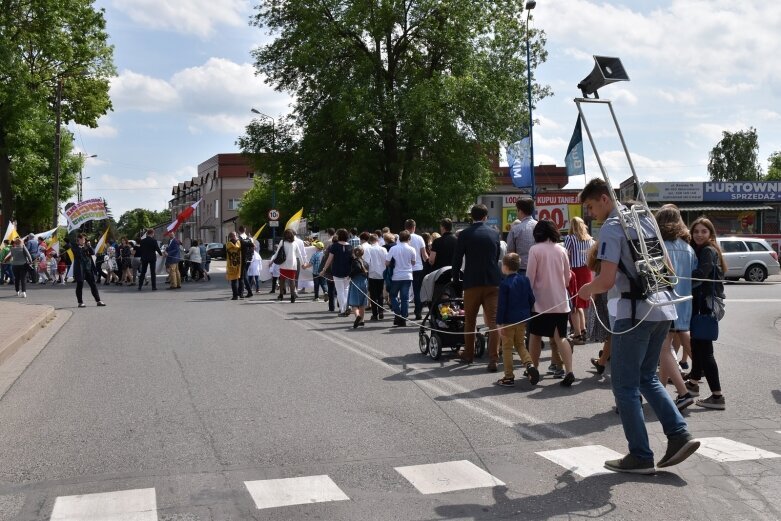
[[185, 85]]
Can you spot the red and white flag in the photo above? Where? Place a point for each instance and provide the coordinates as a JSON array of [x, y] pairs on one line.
[[182, 217]]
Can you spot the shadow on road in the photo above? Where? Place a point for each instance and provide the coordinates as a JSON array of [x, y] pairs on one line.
[[777, 395], [591, 497]]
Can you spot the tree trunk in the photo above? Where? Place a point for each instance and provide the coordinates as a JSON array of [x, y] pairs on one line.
[[6, 194]]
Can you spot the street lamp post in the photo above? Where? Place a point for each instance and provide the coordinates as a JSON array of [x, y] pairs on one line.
[[80, 194], [56, 180], [273, 174], [530, 4]]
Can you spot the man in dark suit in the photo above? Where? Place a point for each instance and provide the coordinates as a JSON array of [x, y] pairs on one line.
[[83, 270], [148, 250], [479, 245]]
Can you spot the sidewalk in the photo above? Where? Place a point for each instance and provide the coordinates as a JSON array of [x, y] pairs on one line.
[[20, 323]]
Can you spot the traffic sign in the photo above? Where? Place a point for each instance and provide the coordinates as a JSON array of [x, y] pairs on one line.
[[273, 224], [273, 215]]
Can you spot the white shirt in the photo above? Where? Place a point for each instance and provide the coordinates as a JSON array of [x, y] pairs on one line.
[[404, 254], [292, 256], [374, 255], [301, 249], [417, 243]]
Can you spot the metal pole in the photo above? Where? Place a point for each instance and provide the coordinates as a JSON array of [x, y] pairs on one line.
[[529, 100], [56, 181], [274, 175], [81, 176]]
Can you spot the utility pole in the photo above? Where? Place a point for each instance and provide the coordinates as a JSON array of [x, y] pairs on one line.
[[56, 181]]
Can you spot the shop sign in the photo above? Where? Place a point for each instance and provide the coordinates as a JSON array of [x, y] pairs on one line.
[[678, 192], [742, 191]]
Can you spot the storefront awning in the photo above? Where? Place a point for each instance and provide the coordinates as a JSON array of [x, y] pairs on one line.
[[718, 208]]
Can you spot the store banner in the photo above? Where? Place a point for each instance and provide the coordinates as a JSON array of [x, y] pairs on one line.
[[559, 208], [698, 192]]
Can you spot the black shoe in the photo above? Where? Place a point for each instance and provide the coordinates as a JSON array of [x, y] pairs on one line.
[[678, 449], [373, 318], [418, 317], [280, 297], [599, 367], [533, 374], [139, 288], [292, 299], [682, 402], [567, 382], [101, 304], [382, 315], [234, 298], [356, 322], [249, 294], [632, 465]]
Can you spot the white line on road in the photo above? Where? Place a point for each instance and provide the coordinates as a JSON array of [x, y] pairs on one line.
[[123, 505], [273, 493], [448, 477], [583, 461], [722, 449]]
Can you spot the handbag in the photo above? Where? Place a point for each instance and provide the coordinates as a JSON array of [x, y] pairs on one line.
[[281, 256], [706, 326]]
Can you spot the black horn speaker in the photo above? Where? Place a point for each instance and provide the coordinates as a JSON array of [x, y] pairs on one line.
[[607, 70]]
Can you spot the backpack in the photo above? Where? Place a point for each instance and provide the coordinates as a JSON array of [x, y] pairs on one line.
[[281, 256]]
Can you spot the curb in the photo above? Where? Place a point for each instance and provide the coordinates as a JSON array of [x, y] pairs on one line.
[[12, 344]]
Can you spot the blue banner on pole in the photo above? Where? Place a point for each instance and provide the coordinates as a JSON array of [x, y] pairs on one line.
[[520, 163], [574, 158]]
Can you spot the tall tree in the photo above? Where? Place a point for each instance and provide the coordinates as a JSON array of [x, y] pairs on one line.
[[398, 102], [774, 167], [46, 47], [133, 222], [735, 157]]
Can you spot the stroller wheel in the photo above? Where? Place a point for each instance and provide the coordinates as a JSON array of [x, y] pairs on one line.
[[435, 346], [423, 342], [480, 341]]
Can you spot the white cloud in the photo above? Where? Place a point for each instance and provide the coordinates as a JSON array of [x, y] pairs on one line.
[[197, 17], [104, 130], [768, 115], [712, 132], [133, 91], [681, 97]]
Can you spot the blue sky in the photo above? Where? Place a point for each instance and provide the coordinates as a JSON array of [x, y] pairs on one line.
[[185, 86]]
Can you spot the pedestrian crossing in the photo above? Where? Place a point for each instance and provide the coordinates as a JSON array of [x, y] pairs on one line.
[[427, 479]]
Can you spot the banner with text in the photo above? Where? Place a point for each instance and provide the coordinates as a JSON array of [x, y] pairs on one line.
[[85, 211]]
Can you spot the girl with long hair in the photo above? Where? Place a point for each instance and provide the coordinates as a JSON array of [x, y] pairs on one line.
[[577, 244], [706, 300]]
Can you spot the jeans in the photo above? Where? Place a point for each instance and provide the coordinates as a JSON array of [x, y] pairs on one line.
[[634, 358], [398, 288], [320, 283], [417, 282]]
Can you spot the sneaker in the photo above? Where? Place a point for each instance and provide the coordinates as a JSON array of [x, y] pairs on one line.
[[19, 294], [678, 449], [559, 373], [101, 304], [24, 294], [82, 305], [533, 374], [568, 380], [684, 365], [713, 402], [552, 369], [693, 389], [599, 367], [632, 465], [683, 401]]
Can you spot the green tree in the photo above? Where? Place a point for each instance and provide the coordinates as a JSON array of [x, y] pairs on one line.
[[133, 222], [398, 103], [735, 157], [48, 46], [774, 167]]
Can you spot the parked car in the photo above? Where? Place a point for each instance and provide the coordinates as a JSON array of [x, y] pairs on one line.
[[749, 258], [215, 250]]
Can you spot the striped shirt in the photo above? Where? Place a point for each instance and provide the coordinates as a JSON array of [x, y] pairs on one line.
[[577, 250], [521, 239]]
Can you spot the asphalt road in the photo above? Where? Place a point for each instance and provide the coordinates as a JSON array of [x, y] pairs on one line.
[[194, 402]]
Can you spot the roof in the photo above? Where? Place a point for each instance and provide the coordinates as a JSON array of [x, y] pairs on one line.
[[711, 207]]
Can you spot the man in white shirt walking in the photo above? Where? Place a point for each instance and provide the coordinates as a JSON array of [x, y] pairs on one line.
[[402, 258], [419, 245]]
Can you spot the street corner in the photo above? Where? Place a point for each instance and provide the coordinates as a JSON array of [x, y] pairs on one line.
[[20, 324]]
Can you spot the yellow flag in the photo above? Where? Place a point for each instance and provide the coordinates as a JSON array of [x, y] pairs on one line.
[[70, 253], [53, 243], [292, 224], [10, 233], [257, 233], [101, 245]]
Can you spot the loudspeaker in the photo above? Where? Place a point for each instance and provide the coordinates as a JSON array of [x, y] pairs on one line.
[[607, 70]]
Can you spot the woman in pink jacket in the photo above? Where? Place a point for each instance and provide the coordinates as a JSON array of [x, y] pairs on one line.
[[549, 273]]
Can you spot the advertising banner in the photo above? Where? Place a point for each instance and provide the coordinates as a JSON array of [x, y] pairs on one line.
[[559, 208], [760, 191]]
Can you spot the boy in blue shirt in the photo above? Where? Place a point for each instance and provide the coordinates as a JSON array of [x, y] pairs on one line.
[[515, 305]]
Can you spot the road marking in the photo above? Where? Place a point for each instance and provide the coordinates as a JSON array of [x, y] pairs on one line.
[[584, 461], [722, 449], [273, 493], [447, 477], [124, 505]]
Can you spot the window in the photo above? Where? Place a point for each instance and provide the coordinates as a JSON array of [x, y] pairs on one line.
[[756, 246], [733, 246], [233, 204]]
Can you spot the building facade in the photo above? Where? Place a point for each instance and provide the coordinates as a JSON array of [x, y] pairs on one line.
[[221, 183]]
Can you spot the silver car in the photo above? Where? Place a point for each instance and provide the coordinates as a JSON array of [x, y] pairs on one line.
[[750, 258]]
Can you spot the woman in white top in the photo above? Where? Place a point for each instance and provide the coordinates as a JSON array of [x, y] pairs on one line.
[[577, 244], [194, 261], [402, 258], [289, 267]]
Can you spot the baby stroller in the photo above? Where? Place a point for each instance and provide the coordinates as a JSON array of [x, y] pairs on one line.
[[445, 316]]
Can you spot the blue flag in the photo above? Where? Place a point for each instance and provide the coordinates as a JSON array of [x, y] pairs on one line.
[[574, 158], [520, 162]]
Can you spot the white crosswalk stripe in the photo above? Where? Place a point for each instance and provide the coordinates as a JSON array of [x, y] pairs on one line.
[[447, 477], [123, 505], [585, 461], [273, 493], [723, 450]]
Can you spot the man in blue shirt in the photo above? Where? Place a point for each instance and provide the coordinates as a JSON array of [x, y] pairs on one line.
[[639, 331], [173, 254]]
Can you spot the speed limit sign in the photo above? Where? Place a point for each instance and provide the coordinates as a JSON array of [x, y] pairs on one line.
[[273, 215]]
